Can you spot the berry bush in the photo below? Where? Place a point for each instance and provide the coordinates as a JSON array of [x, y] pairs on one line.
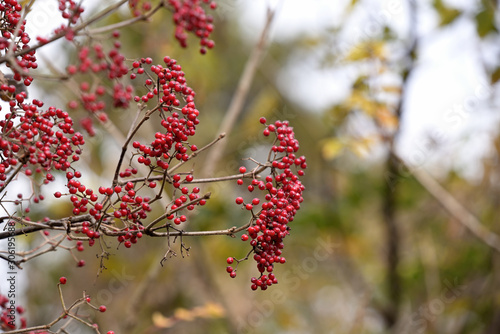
[[42, 145]]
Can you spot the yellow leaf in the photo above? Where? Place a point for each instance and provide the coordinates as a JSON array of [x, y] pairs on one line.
[[385, 117], [211, 310], [332, 147], [358, 100], [362, 147], [367, 50], [392, 89], [183, 314], [161, 321]]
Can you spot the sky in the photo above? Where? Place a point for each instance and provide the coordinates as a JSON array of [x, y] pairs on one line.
[[449, 98]]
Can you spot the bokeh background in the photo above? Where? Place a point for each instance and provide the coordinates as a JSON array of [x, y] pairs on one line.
[[395, 105]]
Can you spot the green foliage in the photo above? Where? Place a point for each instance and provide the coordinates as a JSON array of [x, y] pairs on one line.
[[447, 14], [485, 19]]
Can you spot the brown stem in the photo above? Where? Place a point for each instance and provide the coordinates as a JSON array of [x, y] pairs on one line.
[[83, 25], [241, 93], [125, 23]]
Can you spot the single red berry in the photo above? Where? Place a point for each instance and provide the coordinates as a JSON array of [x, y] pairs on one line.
[[262, 120], [244, 237], [229, 269], [242, 170], [63, 280], [81, 263], [249, 206], [229, 260], [102, 308], [239, 200]]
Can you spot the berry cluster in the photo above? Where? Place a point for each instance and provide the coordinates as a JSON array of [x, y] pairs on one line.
[[92, 62], [10, 15], [43, 140], [179, 122], [70, 10], [8, 315], [189, 16], [283, 195], [138, 7]]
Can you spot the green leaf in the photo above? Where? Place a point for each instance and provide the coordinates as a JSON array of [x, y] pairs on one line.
[[485, 22], [495, 76], [446, 14]]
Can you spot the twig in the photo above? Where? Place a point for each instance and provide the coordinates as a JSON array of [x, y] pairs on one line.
[[194, 154], [170, 212], [241, 93], [455, 209], [251, 174], [125, 23], [63, 33]]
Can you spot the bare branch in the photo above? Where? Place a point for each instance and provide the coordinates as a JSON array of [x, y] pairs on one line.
[[456, 209], [241, 93]]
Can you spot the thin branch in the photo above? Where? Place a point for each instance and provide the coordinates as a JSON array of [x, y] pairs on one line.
[[125, 23], [11, 177], [194, 154], [83, 25], [247, 175], [241, 93], [170, 212], [455, 209]]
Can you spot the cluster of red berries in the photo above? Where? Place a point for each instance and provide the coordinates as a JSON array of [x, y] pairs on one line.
[[138, 7], [8, 315], [44, 140], [180, 123], [92, 96], [189, 16], [70, 10], [283, 195], [10, 15]]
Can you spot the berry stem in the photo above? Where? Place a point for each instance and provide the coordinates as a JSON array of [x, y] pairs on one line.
[[122, 24]]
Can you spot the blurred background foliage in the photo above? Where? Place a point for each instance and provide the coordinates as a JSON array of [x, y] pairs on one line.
[[338, 277]]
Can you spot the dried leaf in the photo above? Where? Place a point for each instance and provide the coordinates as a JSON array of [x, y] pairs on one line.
[[161, 321], [332, 147], [495, 76], [367, 50]]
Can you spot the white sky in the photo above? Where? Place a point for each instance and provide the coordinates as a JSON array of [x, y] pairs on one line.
[[449, 94]]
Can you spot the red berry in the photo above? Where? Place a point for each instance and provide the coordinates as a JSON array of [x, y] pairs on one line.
[[244, 237], [242, 170], [63, 280], [229, 260], [262, 120], [102, 308], [239, 200]]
